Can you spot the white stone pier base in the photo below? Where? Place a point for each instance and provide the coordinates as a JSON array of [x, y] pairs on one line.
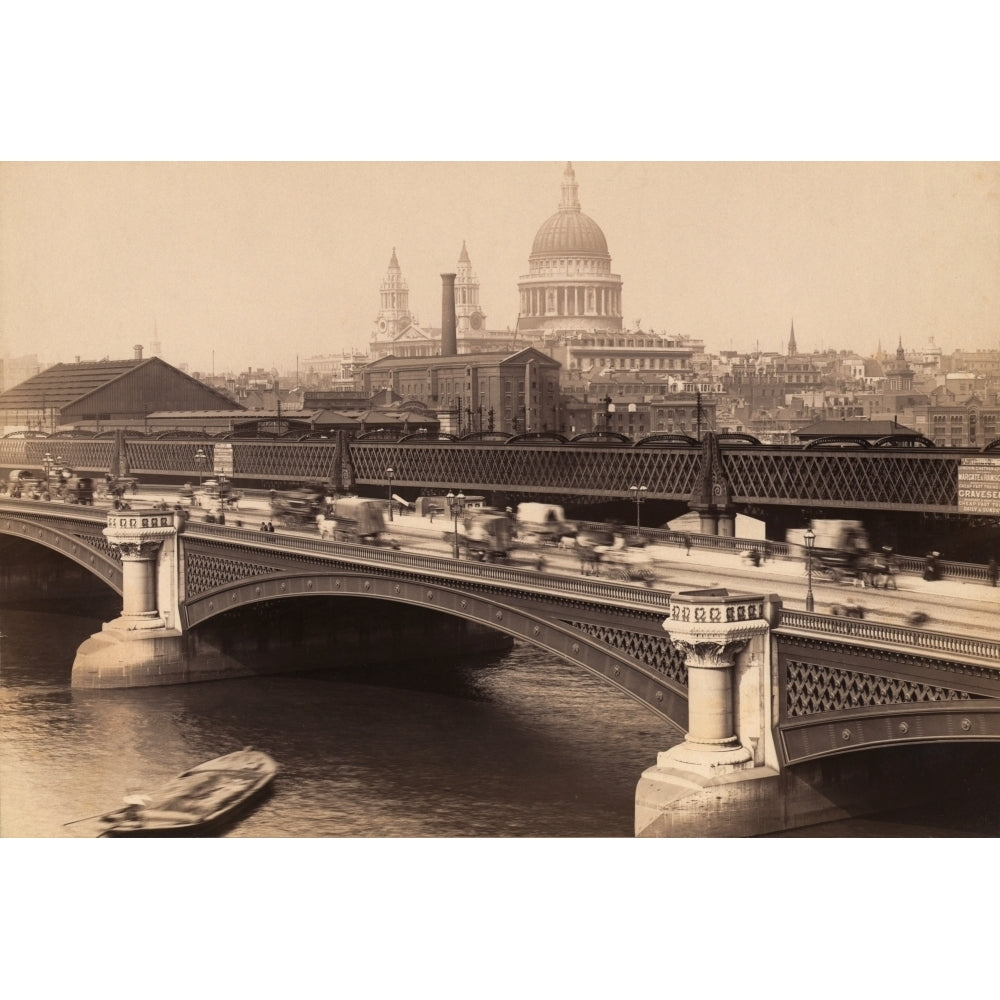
[[118, 657]]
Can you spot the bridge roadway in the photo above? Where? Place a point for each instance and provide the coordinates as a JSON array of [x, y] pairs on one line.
[[953, 606]]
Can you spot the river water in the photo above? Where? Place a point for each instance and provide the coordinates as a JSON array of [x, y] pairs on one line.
[[510, 745]]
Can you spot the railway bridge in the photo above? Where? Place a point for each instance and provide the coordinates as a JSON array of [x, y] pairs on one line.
[[777, 706], [717, 477]]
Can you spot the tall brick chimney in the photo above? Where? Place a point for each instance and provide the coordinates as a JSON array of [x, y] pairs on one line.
[[137, 349], [449, 339]]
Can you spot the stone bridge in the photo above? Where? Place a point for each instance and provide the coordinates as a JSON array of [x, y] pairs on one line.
[[767, 697]]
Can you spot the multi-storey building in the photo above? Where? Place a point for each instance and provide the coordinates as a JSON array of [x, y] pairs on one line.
[[475, 392]]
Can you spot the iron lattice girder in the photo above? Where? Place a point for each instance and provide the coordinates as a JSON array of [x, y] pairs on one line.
[[83, 454], [872, 479], [905, 479], [574, 470]]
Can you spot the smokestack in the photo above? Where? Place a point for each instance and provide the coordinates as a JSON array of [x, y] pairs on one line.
[[449, 340], [138, 352]]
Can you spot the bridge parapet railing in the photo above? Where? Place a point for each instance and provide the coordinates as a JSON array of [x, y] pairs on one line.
[[891, 635], [604, 590]]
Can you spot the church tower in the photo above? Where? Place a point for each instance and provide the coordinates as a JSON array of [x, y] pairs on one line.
[[468, 315], [394, 314]]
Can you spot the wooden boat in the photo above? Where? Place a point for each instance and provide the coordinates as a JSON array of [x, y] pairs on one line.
[[199, 801]]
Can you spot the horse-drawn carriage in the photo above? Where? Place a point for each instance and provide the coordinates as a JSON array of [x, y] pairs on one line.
[[487, 535], [841, 551], [608, 554], [297, 508]]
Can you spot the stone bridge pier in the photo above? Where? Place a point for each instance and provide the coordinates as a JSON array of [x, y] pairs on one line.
[[712, 782], [143, 645]]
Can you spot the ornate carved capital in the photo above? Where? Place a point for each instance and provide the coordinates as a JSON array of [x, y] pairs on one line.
[[138, 535], [710, 653], [714, 626], [137, 549]]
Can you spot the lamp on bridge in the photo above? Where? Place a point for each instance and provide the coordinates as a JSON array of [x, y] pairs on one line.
[[200, 460], [810, 539], [639, 493], [389, 474], [609, 408], [456, 504]]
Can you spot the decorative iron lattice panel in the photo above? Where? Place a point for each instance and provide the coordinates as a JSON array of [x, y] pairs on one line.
[[206, 572], [870, 478], [568, 469], [96, 540], [813, 688], [656, 652], [279, 460]]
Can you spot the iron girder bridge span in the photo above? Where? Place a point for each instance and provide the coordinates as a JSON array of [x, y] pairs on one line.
[[923, 480]]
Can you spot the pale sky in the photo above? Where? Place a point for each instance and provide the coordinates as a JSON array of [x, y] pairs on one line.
[[263, 261]]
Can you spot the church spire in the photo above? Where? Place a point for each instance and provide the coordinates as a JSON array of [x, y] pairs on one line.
[[792, 348], [570, 190]]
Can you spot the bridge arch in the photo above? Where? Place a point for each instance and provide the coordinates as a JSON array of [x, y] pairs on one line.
[[85, 547], [586, 644]]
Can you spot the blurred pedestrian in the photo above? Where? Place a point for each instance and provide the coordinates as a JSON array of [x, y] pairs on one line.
[[991, 571], [687, 545], [754, 557]]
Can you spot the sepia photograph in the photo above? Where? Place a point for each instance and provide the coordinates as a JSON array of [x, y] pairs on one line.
[[387, 480], [421, 504]]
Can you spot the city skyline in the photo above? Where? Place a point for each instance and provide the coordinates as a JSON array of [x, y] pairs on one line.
[[230, 265]]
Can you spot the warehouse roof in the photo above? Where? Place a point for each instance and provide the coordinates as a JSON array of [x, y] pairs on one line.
[[63, 384]]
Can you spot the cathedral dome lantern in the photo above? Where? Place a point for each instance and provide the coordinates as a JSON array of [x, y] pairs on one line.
[[570, 285]]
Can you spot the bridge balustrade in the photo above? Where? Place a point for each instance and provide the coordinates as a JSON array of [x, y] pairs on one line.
[[894, 635]]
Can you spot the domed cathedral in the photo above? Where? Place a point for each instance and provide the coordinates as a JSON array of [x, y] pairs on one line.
[[569, 285]]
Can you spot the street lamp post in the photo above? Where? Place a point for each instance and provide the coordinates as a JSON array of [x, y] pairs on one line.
[[810, 540], [456, 504], [200, 459], [47, 463], [389, 473], [639, 493]]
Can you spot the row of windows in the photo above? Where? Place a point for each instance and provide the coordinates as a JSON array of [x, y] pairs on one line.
[[663, 364]]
